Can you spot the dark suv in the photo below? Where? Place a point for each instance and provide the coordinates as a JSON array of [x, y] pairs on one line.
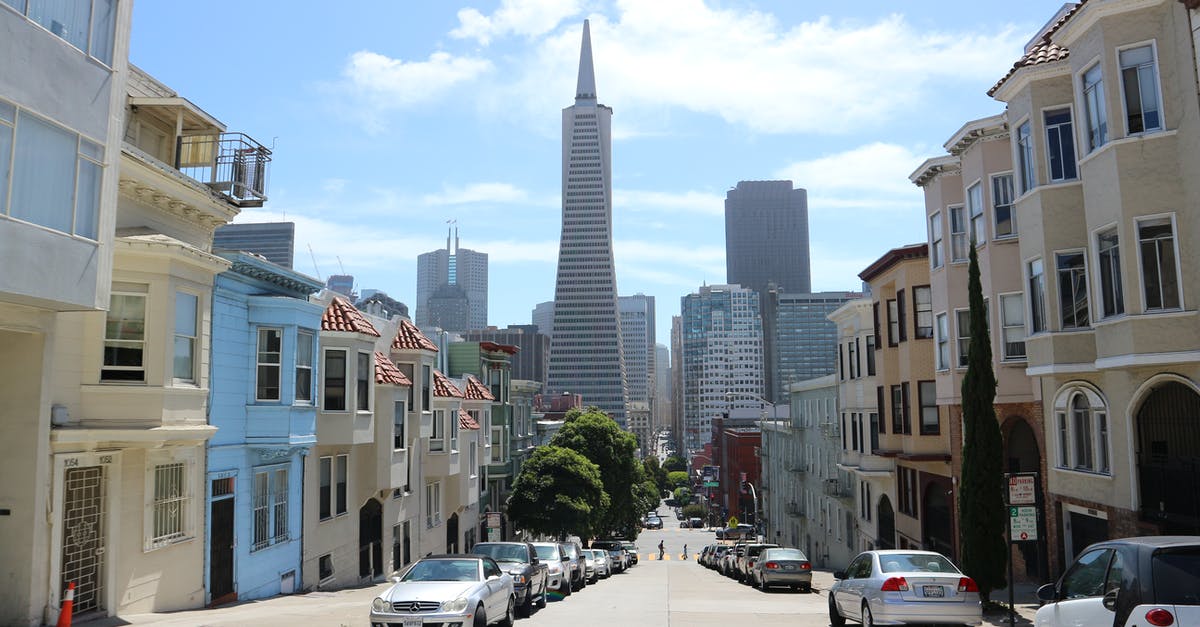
[[531, 578], [615, 551], [578, 564]]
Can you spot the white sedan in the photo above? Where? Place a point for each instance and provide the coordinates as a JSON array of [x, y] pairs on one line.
[[465, 589], [901, 587]]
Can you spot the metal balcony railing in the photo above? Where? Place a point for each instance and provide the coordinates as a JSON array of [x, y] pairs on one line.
[[836, 488], [232, 164], [794, 509]]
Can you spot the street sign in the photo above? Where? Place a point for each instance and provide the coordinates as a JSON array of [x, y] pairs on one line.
[[1022, 489], [493, 520], [1022, 523], [712, 484]]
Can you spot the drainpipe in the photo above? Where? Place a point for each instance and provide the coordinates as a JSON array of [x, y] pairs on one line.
[[303, 471]]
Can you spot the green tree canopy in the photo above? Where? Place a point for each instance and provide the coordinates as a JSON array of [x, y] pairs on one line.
[[674, 463], [601, 440], [678, 478], [558, 493], [656, 473], [572, 414], [683, 496]]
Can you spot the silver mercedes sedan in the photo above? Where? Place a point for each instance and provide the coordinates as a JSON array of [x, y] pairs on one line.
[[901, 587], [466, 590]]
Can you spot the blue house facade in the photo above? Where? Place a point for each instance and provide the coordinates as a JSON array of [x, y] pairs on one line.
[[263, 403]]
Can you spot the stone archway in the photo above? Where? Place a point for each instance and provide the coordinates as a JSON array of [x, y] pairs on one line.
[[886, 537], [1168, 458]]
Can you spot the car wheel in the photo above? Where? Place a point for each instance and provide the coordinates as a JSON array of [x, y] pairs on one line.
[[480, 617], [867, 619], [525, 609], [565, 587], [835, 617], [807, 588], [541, 602], [510, 614], [762, 584]]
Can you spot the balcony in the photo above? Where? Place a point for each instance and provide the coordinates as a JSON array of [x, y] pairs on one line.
[[345, 428], [837, 489], [231, 164], [794, 509]]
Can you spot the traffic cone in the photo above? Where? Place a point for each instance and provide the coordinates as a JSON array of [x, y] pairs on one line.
[[68, 606]]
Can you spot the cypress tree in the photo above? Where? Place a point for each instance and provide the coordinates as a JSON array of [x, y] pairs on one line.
[[981, 511]]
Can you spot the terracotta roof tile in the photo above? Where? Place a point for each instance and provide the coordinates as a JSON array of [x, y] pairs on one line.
[[409, 337], [477, 391], [443, 387], [1045, 51], [387, 372], [465, 421], [340, 315]]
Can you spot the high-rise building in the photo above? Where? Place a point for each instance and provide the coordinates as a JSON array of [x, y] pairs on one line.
[[637, 335], [342, 284], [543, 318], [452, 287], [378, 303], [662, 386], [276, 241], [799, 340], [677, 383], [533, 349], [586, 353], [722, 357]]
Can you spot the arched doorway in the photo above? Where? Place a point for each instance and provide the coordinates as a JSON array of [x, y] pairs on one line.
[[1168, 458], [1021, 448], [887, 524], [937, 527], [452, 534], [370, 540]]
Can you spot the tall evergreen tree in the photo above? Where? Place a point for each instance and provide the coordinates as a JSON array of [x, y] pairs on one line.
[[981, 511]]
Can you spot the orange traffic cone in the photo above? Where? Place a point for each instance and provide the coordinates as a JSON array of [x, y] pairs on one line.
[[68, 606]]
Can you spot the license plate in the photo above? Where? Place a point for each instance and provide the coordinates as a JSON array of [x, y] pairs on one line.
[[413, 621], [928, 591], [789, 567]]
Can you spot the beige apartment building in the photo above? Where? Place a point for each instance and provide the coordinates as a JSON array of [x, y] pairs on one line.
[[969, 199], [1105, 135]]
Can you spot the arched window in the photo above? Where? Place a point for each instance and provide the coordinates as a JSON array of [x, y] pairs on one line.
[[1081, 419]]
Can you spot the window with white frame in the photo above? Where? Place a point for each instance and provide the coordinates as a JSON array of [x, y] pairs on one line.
[[399, 412], [1160, 274], [870, 355], [497, 445], [266, 387], [426, 382], [169, 503], [1036, 292], [962, 318], [1012, 326], [452, 429], [1024, 141], [942, 337], [1093, 107], [333, 390], [474, 463], [89, 26], [270, 507], [362, 388], [1060, 145], [437, 437], [922, 312], [958, 233], [341, 478], [1108, 253], [1139, 85], [1082, 419], [186, 312], [433, 504], [125, 334], [893, 319], [304, 366], [975, 207], [325, 490], [935, 240], [1002, 206], [1072, 290], [927, 398]]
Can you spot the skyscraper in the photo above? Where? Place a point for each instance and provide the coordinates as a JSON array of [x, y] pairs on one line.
[[543, 318], [637, 336], [766, 236], [452, 287], [586, 355], [274, 240], [800, 341]]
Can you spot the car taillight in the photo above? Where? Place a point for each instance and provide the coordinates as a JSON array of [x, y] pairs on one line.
[[895, 584], [771, 565], [805, 566], [1159, 617], [966, 584]]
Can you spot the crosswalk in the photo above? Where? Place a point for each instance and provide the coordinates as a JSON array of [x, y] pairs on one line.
[[653, 557]]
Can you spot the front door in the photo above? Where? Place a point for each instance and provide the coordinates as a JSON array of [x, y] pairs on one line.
[[220, 553], [84, 531], [370, 540]]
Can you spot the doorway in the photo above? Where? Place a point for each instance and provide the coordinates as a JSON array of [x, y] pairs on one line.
[[370, 540], [937, 524], [1168, 458], [887, 524], [452, 534], [84, 532], [220, 547]]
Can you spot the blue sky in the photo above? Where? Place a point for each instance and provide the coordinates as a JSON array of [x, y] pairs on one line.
[[390, 118]]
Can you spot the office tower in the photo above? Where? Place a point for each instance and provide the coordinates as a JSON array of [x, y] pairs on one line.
[[274, 240], [585, 351], [342, 284], [543, 318], [378, 303], [677, 384], [799, 341], [766, 236], [533, 349], [452, 287], [662, 386], [722, 357], [637, 335]]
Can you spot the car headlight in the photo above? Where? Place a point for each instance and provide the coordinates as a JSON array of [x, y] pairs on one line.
[[457, 605], [518, 579], [380, 605], [555, 570]]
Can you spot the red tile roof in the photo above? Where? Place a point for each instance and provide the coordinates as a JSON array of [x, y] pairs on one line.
[[465, 421], [477, 391], [409, 337], [340, 315], [387, 372], [1045, 51], [443, 387]]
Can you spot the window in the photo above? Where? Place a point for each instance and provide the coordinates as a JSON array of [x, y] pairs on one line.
[[907, 489], [426, 381], [88, 26], [1082, 419], [882, 408], [927, 398], [1093, 108], [875, 321], [1037, 296], [870, 355], [399, 411], [452, 429], [1160, 277], [342, 468], [962, 321], [433, 504], [185, 336], [325, 497], [943, 342], [901, 315], [267, 384], [922, 312], [1139, 82], [1025, 157], [407, 369], [1072, 290], [893, 323], [474, 463], [1112, 299], [1060, 145], [935, 240], [958, 234], [1086, 577], [1012, 326], [55, 174], [497, 445], [171, 503], [325, 567], [856, 361], [304, 364], [335, 380], [897, 410], [437, 438], [904, 404], [975, 205], [270, 507], [362, 388], [1002, 209], [125, 334], [852, 356]]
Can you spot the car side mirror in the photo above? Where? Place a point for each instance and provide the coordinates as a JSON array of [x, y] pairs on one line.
[[493, 577], [533, 561], [1048, 593], [1110, 600], [839, 574], [566, 558]]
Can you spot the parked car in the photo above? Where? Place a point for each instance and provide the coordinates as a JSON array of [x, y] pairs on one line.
[[531, 576], [718, 553], [632, 549], [446, 589], [782, 567], [745, 561], [1131, 581], [728, 563], [705, 553], [615, 551], [577, 565], [897, 587], [695, 523], [602, 563], [653, 522], [557, 563]]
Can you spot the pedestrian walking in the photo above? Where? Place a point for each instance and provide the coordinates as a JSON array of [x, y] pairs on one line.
[[662, 550]]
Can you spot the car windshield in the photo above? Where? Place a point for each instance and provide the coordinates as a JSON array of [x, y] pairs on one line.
[[629, 546], [784, 554], [443, 570], [915, 563], [546, 552], [1177, 576], [503, 552]]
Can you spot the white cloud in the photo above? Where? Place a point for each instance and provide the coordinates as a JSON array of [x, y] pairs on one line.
[[379, 84], [873, 176], [530, 18], [477, 193]]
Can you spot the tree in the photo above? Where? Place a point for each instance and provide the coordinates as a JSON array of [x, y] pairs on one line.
[[695, 510], [981, 511], [678, 478], [656, 473], [558, 493], [674, 463], [599, 438], [683, 496]]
